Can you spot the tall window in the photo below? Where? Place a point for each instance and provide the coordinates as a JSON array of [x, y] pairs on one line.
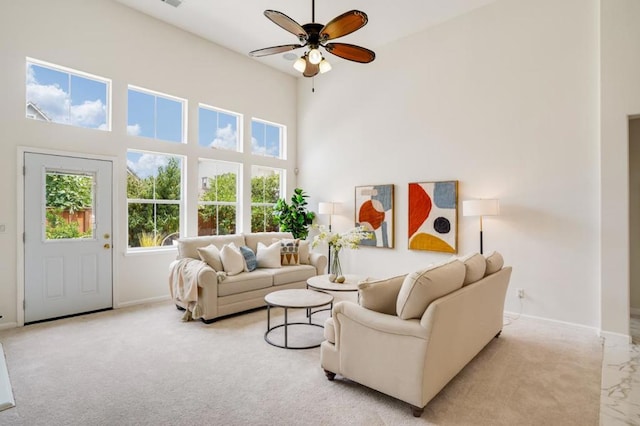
[[218, 197], [266, 189], [154, 194], [155, 115], [267, 139], [218, 129], [62, 95]]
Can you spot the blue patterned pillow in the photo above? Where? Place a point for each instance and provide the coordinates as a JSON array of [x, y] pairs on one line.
[[250, 260]]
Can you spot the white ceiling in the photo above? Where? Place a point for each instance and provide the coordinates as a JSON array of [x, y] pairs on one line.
[[240, 25]]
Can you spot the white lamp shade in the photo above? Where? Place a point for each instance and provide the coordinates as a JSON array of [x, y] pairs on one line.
[[300, 64], [328, 208], [480, 208], [325, 66]]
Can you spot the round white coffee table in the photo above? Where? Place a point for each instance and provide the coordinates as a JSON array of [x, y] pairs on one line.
[[322, 283], [294, 299]]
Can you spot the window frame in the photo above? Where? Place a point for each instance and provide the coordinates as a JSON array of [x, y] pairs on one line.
[[282, 187], [183, 119], [282, 142], [235, 204], [239, 127], [82, 74], [180, 203]]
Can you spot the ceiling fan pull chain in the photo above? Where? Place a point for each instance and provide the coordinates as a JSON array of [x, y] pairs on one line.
[[313, 85]]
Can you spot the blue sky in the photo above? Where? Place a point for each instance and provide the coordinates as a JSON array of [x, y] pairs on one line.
[[67, 98], [81, 101]]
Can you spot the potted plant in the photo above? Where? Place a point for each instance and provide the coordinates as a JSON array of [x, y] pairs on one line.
[[294, 217]]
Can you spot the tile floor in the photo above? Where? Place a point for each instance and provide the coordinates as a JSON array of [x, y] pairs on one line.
[[620, 397]]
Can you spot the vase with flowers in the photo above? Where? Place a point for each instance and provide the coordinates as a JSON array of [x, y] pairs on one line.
[[337, 241]]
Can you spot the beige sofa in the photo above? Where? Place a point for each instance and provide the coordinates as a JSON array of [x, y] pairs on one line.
[[219, 295], [410, 335]]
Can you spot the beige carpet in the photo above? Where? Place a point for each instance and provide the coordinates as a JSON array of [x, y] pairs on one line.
[[142, 366]]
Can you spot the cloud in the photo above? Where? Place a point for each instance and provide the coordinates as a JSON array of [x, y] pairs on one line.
[[262, 150], [134, 130], [226, 138], [147, 164], [56, 104]]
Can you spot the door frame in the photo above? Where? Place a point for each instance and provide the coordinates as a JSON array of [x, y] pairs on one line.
[[115, 231]]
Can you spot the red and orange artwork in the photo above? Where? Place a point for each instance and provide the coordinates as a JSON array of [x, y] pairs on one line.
[[433, 216], [374, 212]]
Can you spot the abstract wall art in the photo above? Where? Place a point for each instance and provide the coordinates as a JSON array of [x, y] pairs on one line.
[[433, 216], [374, 211]]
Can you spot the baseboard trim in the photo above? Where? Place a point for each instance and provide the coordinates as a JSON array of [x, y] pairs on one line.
[[143, 301], [594, 330], [615, 338], [8, 325]]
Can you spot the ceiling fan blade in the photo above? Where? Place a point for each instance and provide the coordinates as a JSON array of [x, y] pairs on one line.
[[287, 23], [273, 50], [344, 24], [351, 52], [311, 70]]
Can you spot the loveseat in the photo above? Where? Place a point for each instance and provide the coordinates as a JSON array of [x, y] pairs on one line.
[[208, 288], [410, 335]]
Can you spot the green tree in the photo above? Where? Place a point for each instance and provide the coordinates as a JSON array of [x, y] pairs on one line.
[[69, 192], [220, 218], [156, 219], [264, 189]]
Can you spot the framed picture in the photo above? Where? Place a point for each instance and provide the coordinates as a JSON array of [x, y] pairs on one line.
[[433, 216], [374, 211]]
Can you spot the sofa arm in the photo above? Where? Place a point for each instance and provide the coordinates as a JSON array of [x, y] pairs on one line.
[[384, 323], [318, 260]]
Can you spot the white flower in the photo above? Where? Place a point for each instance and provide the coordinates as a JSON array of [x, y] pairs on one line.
[[337, 241]]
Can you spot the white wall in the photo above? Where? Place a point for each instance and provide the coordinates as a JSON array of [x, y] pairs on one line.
[[105, 38], [505, 100], [634, 211], [620, 39]]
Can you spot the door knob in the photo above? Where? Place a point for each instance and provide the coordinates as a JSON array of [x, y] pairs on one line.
[[107, 246]]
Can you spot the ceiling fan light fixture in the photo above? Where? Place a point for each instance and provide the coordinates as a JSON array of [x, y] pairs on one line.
[[325, 66], [315, 56], [300, 64]]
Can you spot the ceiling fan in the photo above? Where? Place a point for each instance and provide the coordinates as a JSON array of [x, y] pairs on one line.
[[314, 36]]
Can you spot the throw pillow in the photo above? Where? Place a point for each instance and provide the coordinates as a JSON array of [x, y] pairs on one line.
[[495, 262], [232, 259], [475, 265], [421, 288], [381, 295], [303, 251], [289, 251], [268, 256], [211, 256], [250, 260]]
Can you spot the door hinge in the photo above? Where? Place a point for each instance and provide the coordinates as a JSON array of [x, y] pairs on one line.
[[24, 305], [24, 170], [24, 237]]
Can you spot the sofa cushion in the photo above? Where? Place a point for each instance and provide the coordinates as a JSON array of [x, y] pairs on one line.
[[289, 248], [291, 274], [188, 247], [421, 288], [475, 265], [243, 282], [495, 262], [250, 260], [380, 295], [268, 256], [303, 252], [266, 238], [330, 331], [211, 256], [232, 259]]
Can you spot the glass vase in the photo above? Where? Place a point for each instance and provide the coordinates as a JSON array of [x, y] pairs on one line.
[[335, 268]]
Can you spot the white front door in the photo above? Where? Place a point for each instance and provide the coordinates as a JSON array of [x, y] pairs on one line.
[[67, 241]]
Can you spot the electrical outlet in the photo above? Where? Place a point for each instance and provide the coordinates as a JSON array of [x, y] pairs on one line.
[[521, 293]]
